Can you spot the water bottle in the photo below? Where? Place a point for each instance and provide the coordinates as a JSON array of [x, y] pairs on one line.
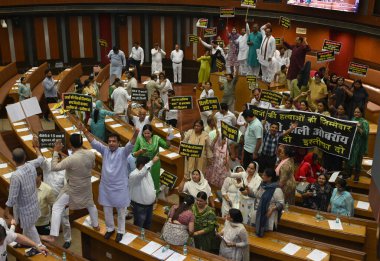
[[337, 220], [185, 249], [64, 256], [142, 234], [286, 207]]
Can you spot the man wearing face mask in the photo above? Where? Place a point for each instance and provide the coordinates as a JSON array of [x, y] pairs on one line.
[[113, 188]]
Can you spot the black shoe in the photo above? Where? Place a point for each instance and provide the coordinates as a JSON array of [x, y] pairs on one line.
[[67, 244], [107, 235], [118, 238], [32, 252]]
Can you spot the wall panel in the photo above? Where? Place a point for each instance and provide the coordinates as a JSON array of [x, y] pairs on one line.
[[18, 35], [39, 38], [74, 37], [87, 37], [169, 35], [53, 38]]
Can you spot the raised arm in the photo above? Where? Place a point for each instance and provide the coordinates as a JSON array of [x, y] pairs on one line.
[[209, 46]]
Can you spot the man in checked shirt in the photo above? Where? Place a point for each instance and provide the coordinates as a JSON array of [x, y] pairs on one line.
[[23, 192]]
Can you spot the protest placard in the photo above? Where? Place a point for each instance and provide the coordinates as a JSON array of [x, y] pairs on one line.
[[325, 56], [180, 103], [229, 132], [284, 22], [329, 45], [77, 102], [208, 104], [358, 69], [209, 32], [139, 94], [47, 139], [190, 150], [227, 12]]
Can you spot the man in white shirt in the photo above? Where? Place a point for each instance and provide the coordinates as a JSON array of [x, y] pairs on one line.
[[117, 60], [136, 58], [143, 194], [225, 115], [157, 55], [132, 82], [120, 99], [177, 57], [243, 50], [141, 120], [266, 53]]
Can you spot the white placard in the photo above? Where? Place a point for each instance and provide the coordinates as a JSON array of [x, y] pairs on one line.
[[22, 129], [109, 120], [151, 247], [15, 112], [31, 107], [8, 175], [316, 255], [333, 177], [27, 137], [290, 249], [128, 238], [335, 225], [159, 125], [176, 257], [117, 125], [172, 155], [163, 253], [3, 165], [362, 205]]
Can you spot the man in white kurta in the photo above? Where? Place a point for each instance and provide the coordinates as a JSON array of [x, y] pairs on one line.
[[157, 55], [117, 60], [113, 188], [120, 99], [266, 53], [177, 57], [242, 41]]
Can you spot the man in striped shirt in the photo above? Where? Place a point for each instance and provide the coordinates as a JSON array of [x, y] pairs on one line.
[[23, 192]]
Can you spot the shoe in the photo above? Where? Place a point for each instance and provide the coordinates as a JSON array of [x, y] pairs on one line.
[[118, 238], [107, 235], [67, 244]]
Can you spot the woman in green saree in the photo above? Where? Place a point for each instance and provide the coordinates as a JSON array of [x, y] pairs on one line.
[[148, 145], [205, 224], [359, 145]]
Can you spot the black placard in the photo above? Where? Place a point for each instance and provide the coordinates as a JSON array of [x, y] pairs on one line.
[[329, 134], [193, 38], [229, 132], [208, 104], [139, 94], [329, 45], [272, 97], [285, 22], [77, 102], [248, 3], [251, 79], [278, 40], [47, 139], [325, 56], [190, 150], [180, 103], [220, 43], [168, 179], [358, 69], [209, 32], [227, 12]]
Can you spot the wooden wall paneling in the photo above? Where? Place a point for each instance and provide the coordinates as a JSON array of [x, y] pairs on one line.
[[169, 35], [73, 38], [136, 29], [156, 31], [39, 38], [123, 38], [187, 47], [88, 32], [18, 36], [53, 38], [367, 48], [4, 46]]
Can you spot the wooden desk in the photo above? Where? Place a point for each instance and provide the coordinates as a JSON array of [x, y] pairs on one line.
[[55, 253], [68, 77], [174, 165], [95, 247], [5, 181], [271, 244], [161, 131]]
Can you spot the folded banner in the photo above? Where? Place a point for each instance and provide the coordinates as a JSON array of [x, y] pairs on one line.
[[209, 104], [272, 97], [210, 32], [47, 139], [227, 12], [284, 22], [180, 103], [230, 132], [139, 94], [358, 69], [329, 45], [190, 150], [77, 102], [331, 135]]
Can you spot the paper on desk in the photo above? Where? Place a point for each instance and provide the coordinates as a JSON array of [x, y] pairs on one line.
[[43, 150], [165, 130], [316, 255], [19, 123], [85, 139], [22, 129], [163, 254], [333, 177], [109, 120], [128, 238], [176, 257], [362, 205], [15, 112], [151, 247], [367, 162], [87, 221], [160, 149], [3, 165], [93, 179], [116, 125], [172, 155], [335, 225], [69, 128], [55, 111], [61, 117], [290, 249], [27, 137], [8, 175], [178, 135], [31, 106], [159, 125]]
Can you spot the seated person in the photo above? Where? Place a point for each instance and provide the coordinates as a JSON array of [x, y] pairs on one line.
[[341, 202], [280, 76], [308, 168], [317, 195]]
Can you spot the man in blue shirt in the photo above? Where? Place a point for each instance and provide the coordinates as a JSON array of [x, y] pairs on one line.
[[50, 91]]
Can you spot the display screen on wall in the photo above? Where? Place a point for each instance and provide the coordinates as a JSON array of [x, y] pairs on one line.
[[337, 5]]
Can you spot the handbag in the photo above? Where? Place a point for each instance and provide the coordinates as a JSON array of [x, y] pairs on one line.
[[175, 234]]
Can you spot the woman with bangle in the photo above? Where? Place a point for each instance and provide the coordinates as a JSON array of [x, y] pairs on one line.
[[234, 245], [205, 224], [231, 191], [98, 116], [317, 195], [149, 145]]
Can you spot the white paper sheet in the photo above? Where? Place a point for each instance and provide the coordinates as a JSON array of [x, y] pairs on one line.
[[55, 112], [176, 257], [316, 255], [93, 179], [163, 254], [87, 221], [178, 135], [159, 125], [109, 120], [43, 150], [15, 112], [61, 117], [362, 205], [85, 139], [3, 165], [22, 129], [151, 247], [128, 238], [117, 125], [27, 137], [367, 162], [166, 129], [19, 123], [290, 249], [335, 225], [31, 106], [333, 177], [172, 155], [160, 149], [70, 128], [8, 175]]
